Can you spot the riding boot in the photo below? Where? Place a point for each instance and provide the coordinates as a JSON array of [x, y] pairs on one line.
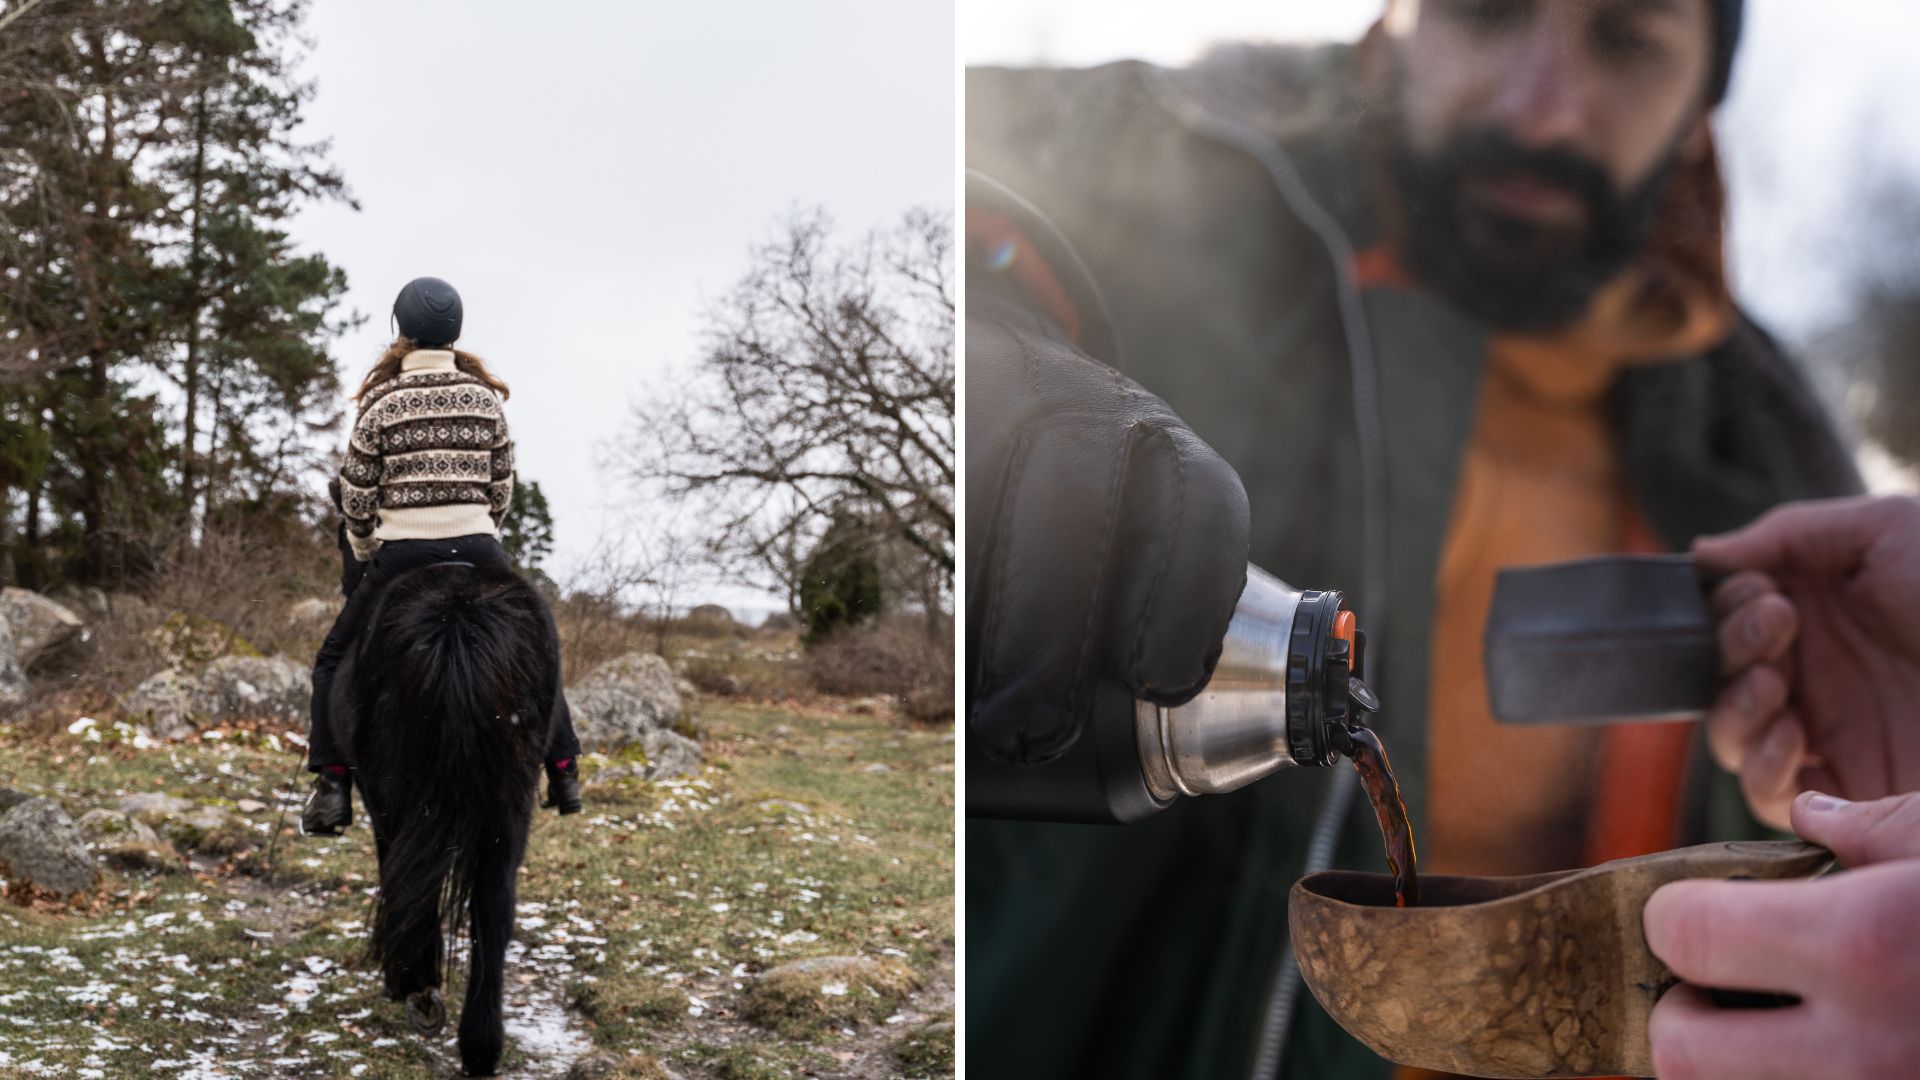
[[563, 787], [330, 807]]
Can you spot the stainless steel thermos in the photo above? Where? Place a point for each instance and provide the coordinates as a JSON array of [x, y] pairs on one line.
[[1286, 688]]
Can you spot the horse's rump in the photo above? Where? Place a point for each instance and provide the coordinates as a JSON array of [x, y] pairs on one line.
[[452, 692]]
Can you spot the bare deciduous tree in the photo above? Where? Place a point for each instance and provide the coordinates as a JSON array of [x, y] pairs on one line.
[[825, 386], [1873, 351]]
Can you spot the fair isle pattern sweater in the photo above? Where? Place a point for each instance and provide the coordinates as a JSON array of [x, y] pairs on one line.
[[429, 457]]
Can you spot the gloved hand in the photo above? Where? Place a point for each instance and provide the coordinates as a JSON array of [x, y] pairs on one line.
[[1105, 541], [352, 570]]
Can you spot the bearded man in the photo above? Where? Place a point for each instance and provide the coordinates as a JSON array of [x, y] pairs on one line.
[[1446, 300]]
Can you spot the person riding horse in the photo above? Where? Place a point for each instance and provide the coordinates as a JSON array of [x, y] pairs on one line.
[[427, 478]]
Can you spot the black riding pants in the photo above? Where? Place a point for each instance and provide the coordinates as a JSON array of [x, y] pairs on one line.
[[390, 560]]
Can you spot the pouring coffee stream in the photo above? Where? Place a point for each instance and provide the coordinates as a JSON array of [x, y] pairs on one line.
[[1369, 756], [1363, 747]]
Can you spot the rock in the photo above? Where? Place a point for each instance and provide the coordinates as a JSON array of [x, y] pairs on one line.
[[810, 994], [249, 806], [257, 688], [86, 599], [186, 640], [210, 831], [40, 627], [878, 767], [669, 754], [313, 609], [190, 826], [126, 842], [687, 689], [599, 1065], [710, 618], [612, 773], [101, 824], [624, 699], [133, 855], [14, 689], [166, 703], [41, 845], [152, 807], [175, 703]]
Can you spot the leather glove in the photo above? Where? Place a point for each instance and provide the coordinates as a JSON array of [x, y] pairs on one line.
[[352, 570], [1106, 542]]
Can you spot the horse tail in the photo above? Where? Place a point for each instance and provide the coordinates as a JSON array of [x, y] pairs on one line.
[[458, 675]]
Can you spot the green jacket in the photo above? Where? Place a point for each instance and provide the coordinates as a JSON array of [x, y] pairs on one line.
[[1148, 950]]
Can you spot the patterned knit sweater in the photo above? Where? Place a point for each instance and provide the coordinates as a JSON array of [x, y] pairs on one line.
[[429, 457]]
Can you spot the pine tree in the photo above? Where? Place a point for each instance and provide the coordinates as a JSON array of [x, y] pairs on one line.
[[840, 580], [148, 171], [527, 530], [253, 318]]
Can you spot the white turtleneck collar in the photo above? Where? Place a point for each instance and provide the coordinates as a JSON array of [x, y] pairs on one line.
[[428, 360]]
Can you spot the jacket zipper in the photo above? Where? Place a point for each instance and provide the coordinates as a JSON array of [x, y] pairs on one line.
[[1284, 992]]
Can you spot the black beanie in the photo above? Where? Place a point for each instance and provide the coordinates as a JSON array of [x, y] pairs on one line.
[[428, 311], [1727, 16]]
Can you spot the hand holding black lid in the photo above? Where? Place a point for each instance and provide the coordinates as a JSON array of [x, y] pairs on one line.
[[1820, 646]]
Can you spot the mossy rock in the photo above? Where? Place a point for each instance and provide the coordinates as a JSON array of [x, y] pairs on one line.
[[126, 843], [185, 639], [819, 992], [211, 831]]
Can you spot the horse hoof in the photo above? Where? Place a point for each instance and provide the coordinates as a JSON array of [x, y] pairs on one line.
[[427, 1011]]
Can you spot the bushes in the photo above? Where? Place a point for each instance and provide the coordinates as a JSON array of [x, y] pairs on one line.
[[900, 656]]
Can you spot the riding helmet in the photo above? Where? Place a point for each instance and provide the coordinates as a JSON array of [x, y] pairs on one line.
[[428, 311]]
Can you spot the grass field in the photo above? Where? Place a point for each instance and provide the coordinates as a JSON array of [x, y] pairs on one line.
[[645, 922]]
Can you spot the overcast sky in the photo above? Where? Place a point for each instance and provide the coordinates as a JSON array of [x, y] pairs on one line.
[[586, 174]]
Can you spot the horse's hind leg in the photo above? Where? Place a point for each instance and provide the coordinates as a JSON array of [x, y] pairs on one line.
[[482, 1033]]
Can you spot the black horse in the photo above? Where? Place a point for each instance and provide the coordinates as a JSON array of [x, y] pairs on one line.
[[446, 700]]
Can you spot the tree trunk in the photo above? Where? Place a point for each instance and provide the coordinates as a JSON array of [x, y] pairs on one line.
[[7, 533], [96, 409], [190, 377]]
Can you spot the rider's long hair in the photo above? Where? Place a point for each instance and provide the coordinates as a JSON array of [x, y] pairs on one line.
[[388, 366]]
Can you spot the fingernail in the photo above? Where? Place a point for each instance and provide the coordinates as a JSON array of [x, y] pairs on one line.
[[1824, 803]]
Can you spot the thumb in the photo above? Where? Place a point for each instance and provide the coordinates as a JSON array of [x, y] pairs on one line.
[[1860, 833]]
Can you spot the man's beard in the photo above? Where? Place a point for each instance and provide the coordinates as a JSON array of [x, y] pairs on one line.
[[1511, 273]]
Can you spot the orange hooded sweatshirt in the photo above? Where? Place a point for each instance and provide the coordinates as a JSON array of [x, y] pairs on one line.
[[1541, 482]]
